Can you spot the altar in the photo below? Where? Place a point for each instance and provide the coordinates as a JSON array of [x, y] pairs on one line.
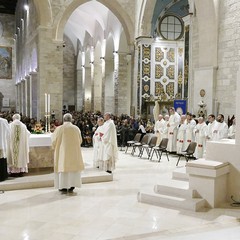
[[40, 153]]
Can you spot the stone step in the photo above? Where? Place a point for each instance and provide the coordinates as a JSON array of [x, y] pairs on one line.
[[195, 204], [176, 191], [180, 174], [90, 175]]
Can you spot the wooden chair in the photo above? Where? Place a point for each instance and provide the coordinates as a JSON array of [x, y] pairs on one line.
[[135, 140], [159, 150], [138, 145], [148, 147], [188, 153]]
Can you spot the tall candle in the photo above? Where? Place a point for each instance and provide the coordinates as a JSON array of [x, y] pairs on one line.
[[45, 103], [48, 103]]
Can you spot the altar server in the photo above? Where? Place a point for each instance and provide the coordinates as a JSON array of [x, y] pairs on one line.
[[110, 147], [4, 140], [18, 151], [68, 161]]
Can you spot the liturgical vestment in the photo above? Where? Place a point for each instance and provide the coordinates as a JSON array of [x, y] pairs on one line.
[[4, 140], [68, 161], [18, 151], [110, 148]]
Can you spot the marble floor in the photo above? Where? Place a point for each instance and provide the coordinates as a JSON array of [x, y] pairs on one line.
[[110, 210]]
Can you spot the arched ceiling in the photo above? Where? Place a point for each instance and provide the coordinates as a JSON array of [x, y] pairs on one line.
[[91, 23], [162, 7]]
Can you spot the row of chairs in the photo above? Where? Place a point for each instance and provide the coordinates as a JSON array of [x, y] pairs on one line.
[[148, 144]]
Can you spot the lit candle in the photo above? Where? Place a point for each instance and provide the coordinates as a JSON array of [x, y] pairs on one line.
[[45, 103], [49, 103]]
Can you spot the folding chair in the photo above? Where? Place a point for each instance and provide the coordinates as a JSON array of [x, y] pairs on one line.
[[148, 147], [188, 153], [135, 140], [162, 148], [138, 145]]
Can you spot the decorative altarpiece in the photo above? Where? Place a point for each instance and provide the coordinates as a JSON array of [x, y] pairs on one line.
[[160, 73]]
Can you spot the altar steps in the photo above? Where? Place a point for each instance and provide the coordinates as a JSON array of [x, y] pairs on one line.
[[175, 193], [89, 175]]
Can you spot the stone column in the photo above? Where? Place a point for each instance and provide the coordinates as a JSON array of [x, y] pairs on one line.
[[33, 95], [97, 86], [124, 84], [50, 72], [79, 90], [27, 97], [116, 82], [88, 89], [109, 87], [103, 64], [23, 96]]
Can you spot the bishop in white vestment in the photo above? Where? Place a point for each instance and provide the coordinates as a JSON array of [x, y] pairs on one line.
[[18, 151], [4, 140], [68, 161]]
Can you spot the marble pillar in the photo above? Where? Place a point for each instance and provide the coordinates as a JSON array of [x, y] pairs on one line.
[[33, 95], [97, 86], [88, 89], [79, 90]]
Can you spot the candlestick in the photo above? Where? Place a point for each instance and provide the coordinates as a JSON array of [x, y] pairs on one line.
[[48, 104], [45, 103]]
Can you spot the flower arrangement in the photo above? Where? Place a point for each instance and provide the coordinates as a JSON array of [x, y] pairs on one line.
[[38, 129]]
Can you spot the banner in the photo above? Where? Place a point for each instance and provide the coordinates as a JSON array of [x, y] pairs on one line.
[[180, 106]]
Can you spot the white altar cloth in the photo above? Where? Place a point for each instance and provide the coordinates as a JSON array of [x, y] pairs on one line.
[[40, 140]]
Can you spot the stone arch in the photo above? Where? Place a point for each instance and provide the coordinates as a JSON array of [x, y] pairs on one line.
[[44, 11], [145, 16], [114, 6]]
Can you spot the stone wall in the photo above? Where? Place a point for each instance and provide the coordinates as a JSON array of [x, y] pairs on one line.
[[228, 55], [7, 87]]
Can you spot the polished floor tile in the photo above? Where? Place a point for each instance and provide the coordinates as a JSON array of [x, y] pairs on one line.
[[110, 210]]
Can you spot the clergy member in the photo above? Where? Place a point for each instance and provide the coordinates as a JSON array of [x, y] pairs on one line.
[[158, 128], [18, 151], [201, 137], [181, 135], [110, 147], [4, 140], [173, 123], [68, 161], [97, 143]]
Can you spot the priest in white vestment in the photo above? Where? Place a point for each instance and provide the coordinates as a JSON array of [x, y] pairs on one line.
[[164, 130], [68, 161], [200, 132], [158, 129], [110, 147], [220, 129], [173, 123], [181, 135], [97, 143], [18, 151], [4, 140], [190, 125], [210, 127]]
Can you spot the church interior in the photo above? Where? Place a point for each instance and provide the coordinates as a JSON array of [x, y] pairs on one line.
[[130, 58]]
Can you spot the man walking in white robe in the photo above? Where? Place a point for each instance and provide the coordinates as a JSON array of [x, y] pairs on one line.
[[200, 132], [110, 147], [4, 140], [18, 151], [68, 161], [173, 123]]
